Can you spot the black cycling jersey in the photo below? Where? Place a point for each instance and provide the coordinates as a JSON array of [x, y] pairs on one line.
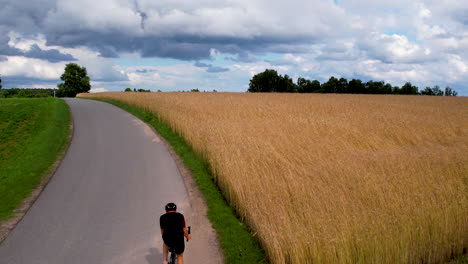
[[173, 225]]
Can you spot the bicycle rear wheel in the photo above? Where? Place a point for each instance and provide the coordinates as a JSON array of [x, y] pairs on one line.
[[172, 258]]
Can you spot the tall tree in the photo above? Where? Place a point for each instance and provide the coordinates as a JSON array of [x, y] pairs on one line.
[[376, 87], [286, 85], [427, 91], [408, 88], [270, 81], [450, 92], [331, 86], [307, 86], [356, 86], [432, 91], [437, 91], [0, 82], [75, 80], [342, 86], [266, 81], [387, 89], [314, 87], [302, 84]]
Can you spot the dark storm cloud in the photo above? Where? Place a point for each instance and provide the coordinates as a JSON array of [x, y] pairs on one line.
[[202, 65], [194, 47], [24, 16], [142, 15], [243, 57], [52, 55], [6, 50], [145, 71], [107, 51], [244, 47], [170, 48], [109, 42], [26, 82], [74, 30], [210, 68], [216, 69], [36, 52]]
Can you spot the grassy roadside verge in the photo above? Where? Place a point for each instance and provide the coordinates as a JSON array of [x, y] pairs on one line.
[[238, 244], [33, 134]]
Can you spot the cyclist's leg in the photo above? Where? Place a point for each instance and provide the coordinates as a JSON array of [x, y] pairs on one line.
[[179, 247], [180, 258], [165, 252]]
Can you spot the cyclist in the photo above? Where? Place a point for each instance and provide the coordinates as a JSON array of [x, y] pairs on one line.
[[173, 230]]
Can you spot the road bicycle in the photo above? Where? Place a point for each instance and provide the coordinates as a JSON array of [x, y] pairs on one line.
[[173, 256]]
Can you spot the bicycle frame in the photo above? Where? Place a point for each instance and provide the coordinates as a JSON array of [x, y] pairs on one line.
[[172, 256]]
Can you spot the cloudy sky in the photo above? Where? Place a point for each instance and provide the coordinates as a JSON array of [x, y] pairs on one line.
[[174, 45]]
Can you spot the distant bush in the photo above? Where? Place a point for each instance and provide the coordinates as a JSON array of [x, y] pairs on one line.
[[135, 90]]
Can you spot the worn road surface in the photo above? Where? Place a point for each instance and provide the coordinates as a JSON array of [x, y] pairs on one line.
[[104, 201]]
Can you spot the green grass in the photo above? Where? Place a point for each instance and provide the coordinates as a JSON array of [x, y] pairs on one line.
[[237, 242], [460, 260], [33, 135]]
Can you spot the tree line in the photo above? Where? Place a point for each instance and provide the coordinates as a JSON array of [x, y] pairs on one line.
[[26, 93], [76, 81], [271, 81]]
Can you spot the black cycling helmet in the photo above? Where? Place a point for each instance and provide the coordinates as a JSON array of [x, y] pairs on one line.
[[170, 207]]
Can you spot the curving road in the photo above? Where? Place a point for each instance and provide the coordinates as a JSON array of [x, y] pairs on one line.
[[104, 201]]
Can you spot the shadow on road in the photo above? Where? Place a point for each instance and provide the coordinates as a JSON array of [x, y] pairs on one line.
[[154, 256]]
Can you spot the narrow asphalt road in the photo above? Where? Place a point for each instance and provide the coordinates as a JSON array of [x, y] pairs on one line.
[[104, 201]]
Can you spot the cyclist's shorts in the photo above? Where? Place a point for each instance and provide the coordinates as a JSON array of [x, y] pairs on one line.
[[177, 244]]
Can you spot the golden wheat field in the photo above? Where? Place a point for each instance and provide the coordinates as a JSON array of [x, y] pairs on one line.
[[333, 178]]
